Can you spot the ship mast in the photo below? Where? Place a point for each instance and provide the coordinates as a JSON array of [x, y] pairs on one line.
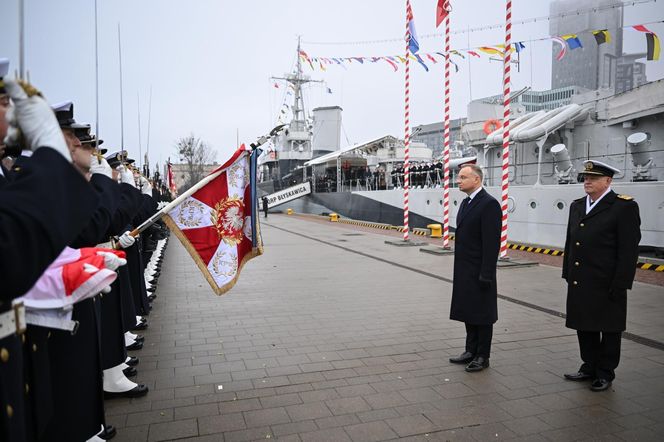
[[296, 142]]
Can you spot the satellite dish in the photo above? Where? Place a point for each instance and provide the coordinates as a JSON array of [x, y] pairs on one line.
[[637, 138]]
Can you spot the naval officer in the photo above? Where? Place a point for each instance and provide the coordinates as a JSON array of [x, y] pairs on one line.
[[601, 251]]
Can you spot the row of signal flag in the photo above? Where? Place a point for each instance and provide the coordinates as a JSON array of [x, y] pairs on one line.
[[443, 8]]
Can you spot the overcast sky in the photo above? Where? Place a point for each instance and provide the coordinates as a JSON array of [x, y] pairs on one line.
[[209, 62]]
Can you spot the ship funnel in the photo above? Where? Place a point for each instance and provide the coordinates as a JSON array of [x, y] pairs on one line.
[[563, 163], [638, 143]]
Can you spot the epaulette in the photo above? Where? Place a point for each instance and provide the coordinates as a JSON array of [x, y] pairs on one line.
[[625, 197]]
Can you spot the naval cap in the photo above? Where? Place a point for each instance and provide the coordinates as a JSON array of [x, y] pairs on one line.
[[597, 168], [4, 69], [64, 112], [116, 158]]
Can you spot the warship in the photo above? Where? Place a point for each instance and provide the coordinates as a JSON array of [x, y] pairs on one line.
[[623, 127]]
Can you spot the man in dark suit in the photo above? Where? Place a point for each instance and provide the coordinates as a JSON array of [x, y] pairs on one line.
[[601, 250], [474, 293]]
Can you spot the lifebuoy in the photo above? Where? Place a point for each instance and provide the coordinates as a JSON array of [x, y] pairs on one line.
[[491, 125]]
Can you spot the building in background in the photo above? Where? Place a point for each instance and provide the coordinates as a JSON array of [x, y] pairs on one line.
[[181, 173], [432, 135], [593, 66]]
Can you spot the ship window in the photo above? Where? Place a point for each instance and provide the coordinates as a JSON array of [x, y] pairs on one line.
[[428, 202], [533, 205], [560, 205]]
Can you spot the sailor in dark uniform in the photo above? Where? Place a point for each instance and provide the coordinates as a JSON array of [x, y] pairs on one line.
[[601, 251], [38, 217], [76, 388]]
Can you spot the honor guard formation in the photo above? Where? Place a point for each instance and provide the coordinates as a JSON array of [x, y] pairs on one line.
[[77, 284]]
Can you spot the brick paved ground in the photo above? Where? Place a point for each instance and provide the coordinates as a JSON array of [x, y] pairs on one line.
[[328, 343]]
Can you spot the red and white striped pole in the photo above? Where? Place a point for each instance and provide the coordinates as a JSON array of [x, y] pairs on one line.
[[506, 127], [446, 135], [406, 139]]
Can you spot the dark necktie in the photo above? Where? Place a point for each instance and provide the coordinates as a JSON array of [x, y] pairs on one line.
[[462, 209]]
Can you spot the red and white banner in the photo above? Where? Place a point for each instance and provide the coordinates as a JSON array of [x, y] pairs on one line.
[[171, 181], [214, 223], [75, 275]]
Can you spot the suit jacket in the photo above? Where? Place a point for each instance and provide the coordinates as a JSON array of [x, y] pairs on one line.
[[476, 247], [601, 250]]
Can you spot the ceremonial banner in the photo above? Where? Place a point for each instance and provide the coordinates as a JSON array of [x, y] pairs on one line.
[[215, 222], [171, 181]]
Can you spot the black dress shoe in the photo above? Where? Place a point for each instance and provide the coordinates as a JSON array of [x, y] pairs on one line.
[[135, 346], [463, 358], [108, 433], [132, 361], [151, 289], [141, 326], [600, 385], [139, 338], [130, 372], [477, 364], [578, 376], [137, 391]]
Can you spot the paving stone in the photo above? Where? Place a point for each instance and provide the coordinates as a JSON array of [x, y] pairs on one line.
[[221, 423], [294, 427], [149, 417], [370, 431], [347, 405], [258, 433], [196, 411], [385, 400], [310, 410], [280, 400], [269, 416], [337, 421], [132, 434], [173, 430], [527, 425], [327, 435], [411, 425]]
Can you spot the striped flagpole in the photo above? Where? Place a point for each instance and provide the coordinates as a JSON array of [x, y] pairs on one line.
[[446, 138], [406, 139], [506, 127]]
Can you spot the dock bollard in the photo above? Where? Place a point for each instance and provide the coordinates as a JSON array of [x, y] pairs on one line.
[[334, 217], [289, 211], [436, 230]]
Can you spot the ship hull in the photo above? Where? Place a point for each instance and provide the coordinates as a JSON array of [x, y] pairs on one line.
[[538, 214]]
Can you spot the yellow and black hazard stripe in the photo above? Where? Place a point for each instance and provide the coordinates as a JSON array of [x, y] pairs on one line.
[[365, 224], [649, 266], [512, 246], [524, 248]]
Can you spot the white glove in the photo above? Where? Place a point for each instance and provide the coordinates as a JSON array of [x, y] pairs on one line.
[[35, 120], [146, 187], [112, 261], [126, 240], [126, 176], [100, 166]]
